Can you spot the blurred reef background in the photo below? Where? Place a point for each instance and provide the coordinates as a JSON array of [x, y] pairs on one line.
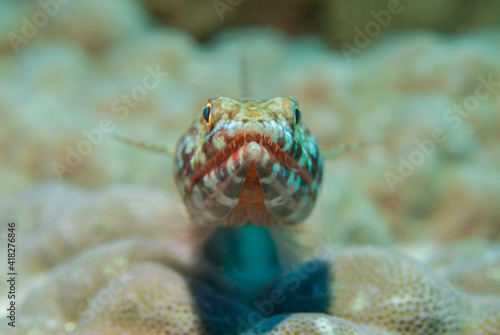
[[410, 227]]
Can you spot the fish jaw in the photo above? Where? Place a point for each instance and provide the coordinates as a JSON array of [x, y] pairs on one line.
[[250, 185]]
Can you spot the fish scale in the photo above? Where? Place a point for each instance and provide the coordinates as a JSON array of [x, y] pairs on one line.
[[252, 161]]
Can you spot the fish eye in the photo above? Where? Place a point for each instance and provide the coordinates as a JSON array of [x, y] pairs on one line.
[[207, 113], [297, 114]]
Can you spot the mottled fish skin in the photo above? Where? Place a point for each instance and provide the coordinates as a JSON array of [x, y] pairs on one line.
[[251, 163]]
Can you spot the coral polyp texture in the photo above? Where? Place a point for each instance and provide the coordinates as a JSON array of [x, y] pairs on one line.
[[311, 323], [104, 244], [379, 288], [156, 300]]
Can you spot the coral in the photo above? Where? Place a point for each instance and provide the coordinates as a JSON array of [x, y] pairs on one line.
[[467, 208], [156, 300], [58, 220], [142, 284], [356, 220], [481, 275], [471, 265], [10, 12], [72, 283], [379, 289], [204, 18], [130, 286], [484, 315], [345, 16], [337, 20], [310, 323], [374, 287], [110, 21], [126, 286]]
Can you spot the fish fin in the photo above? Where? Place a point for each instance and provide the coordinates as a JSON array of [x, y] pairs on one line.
[[197, 234], [337, 150], [291, 244], [145, 146], [191, 233]]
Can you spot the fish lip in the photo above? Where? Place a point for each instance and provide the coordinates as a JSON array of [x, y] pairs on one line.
[[242, 140]]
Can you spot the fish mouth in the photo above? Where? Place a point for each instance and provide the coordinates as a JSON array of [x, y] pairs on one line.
[[284, 158]]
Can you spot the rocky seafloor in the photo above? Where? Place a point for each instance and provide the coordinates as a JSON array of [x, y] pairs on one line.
[[406, 231]]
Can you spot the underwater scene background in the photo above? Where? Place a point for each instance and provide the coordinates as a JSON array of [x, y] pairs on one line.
[[404, 237]]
